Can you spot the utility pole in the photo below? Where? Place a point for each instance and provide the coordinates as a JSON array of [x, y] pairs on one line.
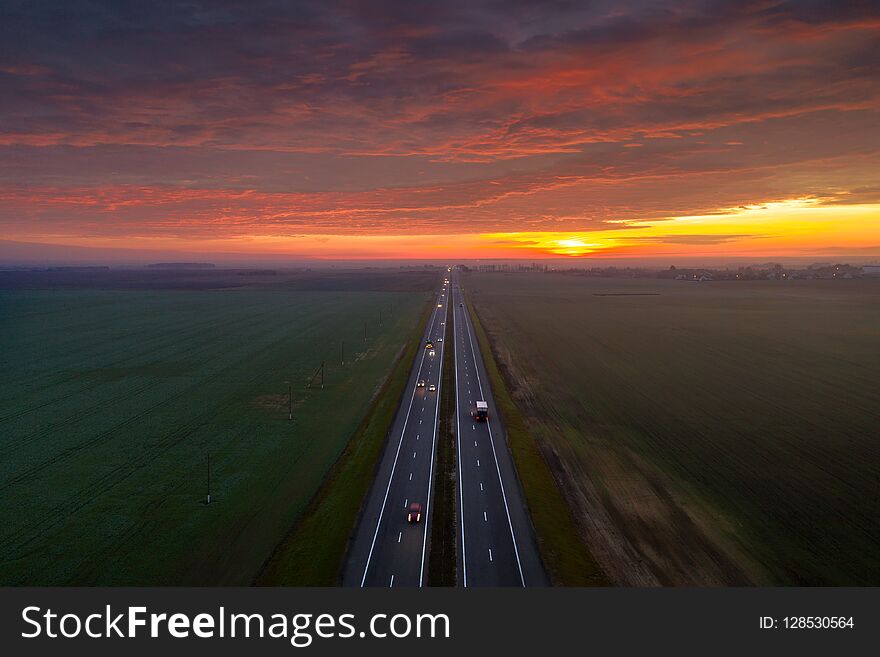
[[209, 477], [318, 371]]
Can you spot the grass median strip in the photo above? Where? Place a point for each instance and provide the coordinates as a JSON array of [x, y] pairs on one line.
[[442, 564], [313, 552], [567, 559]]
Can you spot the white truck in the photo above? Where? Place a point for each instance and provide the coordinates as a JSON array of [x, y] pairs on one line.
[[481, 411]]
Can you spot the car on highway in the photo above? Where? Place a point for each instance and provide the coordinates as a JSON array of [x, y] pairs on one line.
[[439, 339], [432, 388], [439, 305], [429, 345], [481, 411], [414, 513], [461, 305], [431, 353], [421, 383]]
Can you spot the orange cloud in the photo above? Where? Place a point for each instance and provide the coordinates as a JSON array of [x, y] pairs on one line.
[[551, 130]]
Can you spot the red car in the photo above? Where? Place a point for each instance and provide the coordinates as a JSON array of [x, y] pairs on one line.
[[414, 514]]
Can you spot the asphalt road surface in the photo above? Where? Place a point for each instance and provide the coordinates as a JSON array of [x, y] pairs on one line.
[[388, 550], [496, 542]]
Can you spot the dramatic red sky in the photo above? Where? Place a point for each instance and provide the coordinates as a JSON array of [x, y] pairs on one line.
[[447, 129]]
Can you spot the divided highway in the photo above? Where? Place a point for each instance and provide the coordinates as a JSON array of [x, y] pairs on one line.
[[387, 549], [495, 542]]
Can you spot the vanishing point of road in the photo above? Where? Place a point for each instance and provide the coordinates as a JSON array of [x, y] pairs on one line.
[[495, 542]]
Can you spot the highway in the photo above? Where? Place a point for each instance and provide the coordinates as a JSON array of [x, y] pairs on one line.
[[386, 549], [496, 542]]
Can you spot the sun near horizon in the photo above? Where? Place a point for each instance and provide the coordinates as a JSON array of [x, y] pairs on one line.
[[461, 133]]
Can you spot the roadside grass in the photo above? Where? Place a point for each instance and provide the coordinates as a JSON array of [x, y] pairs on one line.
[[566, 558], [313, 552], [442, 564]]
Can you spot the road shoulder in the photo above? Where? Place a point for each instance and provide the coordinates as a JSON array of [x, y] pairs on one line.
[[567, 560]]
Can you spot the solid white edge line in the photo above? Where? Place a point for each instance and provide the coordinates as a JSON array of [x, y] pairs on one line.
[[396, 455], [522, 579]]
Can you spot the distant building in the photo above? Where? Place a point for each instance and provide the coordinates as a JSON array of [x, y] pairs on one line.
[[698, 275], [871, 270]]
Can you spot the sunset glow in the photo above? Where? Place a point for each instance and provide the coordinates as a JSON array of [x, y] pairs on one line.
[[338, 131], [797, 226]]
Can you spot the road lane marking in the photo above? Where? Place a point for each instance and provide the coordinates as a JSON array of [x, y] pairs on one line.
[[410, 476], [414, 454], [478, 463], [406, 503], [394, 464], [485, 518], [490, 554], [399, 536], [392, 582], [481, 485], [522, 579]]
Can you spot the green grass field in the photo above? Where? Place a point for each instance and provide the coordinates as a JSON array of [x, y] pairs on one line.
[[111, 401], [313, 552], [721, 433]]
